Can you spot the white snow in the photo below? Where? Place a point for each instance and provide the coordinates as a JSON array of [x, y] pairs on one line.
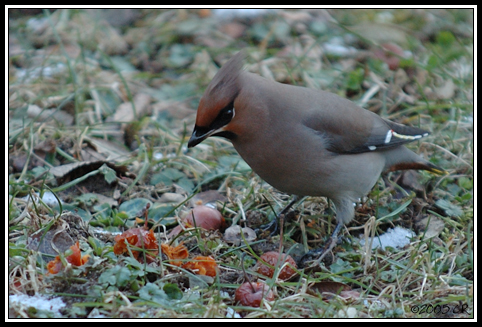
[[397, 237], [39, 302]]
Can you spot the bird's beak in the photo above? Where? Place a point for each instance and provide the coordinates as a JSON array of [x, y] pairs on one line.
[[199, 134]]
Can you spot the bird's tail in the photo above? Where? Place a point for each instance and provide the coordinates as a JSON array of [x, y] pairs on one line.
[[402, 158], [434, 169]]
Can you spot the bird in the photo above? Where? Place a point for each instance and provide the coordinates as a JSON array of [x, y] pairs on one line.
[[303, 141]]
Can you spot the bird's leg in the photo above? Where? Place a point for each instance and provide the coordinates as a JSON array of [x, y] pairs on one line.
[[273, 226], [321, 252]]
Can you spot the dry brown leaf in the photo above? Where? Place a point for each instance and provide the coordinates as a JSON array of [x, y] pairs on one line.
[[175, 253], [108, 149], [381, 32], [139, 237], [202, 266], [77, 169], [233, 234], [328, 287], [56, 265], [206, 197], [432, 226], [49, 115], [125, 113], [446, 90]]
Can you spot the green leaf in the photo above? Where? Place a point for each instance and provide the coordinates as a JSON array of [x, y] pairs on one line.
[[466, 183], [140, 266], [39, 171], [433, 62], [85, 215], [117, 276], [465, 197], [340, 266], [181, 55], [96, 245], [107, 277], [396, 211], [449, 208], [233, 162], [462, 260], [102, 210], [123, 276], [186, 184], [172, 291], [445, 38], [171, 176], [454, 189], [458, 280], [88, 199], [152, 292], [109, 173], [122, 65], [134, 207], [14, 250], [388, 276], [355, 79], [167, 176], [160, 211]]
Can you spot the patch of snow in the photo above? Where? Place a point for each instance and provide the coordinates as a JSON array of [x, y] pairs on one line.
[[48, 198], [39, 302], [230, 313], [397, 237], [49, 70]]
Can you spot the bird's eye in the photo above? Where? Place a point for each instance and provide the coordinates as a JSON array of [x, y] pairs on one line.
[[224, 117], [228, 113]]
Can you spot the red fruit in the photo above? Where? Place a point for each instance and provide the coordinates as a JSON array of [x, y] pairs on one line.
[[205, 217], [251, 294], [271, 258], [201, 216]]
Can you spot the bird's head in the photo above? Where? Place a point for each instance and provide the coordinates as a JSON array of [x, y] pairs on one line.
[[216, 109]]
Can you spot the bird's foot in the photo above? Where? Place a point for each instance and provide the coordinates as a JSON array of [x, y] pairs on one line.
[[272, 227], [313, 257]]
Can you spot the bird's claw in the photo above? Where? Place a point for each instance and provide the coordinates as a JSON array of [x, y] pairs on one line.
[[272, 227], [315, 256]]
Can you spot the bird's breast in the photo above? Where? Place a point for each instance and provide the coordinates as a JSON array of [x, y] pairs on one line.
[[283, 163]]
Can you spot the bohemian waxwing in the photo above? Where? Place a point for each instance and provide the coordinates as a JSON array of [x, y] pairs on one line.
[[304, 141]]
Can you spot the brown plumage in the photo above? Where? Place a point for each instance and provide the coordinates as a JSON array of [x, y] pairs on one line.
[[304, 141]]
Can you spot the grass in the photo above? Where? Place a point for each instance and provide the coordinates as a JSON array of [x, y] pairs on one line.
[[87, 87]]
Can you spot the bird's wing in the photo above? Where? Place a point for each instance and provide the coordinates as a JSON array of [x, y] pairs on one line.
[[347, 128]]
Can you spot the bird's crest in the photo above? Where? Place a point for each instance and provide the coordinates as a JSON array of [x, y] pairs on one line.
[[221, 91]]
